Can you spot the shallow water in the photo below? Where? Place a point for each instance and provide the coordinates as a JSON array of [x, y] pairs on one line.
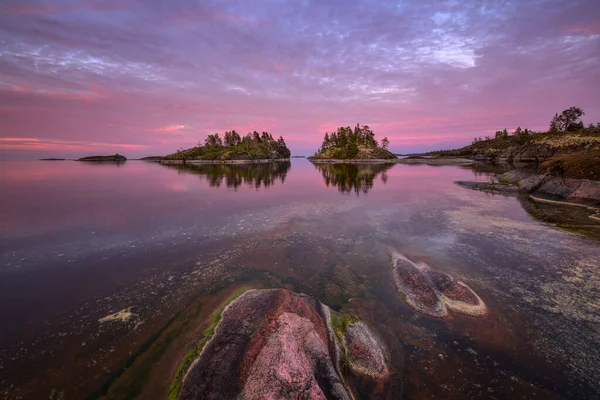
[[98, 258]]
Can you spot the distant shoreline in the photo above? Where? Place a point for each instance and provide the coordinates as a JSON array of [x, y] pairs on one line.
[[423, 161], [206, 162], [351, 161]]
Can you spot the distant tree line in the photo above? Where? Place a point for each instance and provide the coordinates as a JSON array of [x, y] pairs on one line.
[[567, 121], [519, 135], [233, 139]]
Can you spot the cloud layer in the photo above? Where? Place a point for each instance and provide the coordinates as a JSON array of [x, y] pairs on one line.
[[148, 77]]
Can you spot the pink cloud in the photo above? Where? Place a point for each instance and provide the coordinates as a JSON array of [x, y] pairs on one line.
[[9, 143], [592, 28], [190, 16], [170, 128], [25, 10]]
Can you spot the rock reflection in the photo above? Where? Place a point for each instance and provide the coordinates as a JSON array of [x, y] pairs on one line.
[[234, 176], [485, 169], [355, 178], [573, 218]]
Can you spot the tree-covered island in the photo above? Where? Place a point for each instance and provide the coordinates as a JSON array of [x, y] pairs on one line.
[[353, 144], [232, 146]]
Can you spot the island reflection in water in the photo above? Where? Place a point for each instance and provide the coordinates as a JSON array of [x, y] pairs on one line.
[[357, 178], [236, 175]]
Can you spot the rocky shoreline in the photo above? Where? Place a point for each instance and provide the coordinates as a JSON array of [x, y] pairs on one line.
[[547, 187], [544, 188]]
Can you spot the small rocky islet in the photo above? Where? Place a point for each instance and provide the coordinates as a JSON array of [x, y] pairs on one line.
[[111, 158], [232, 146], [276, 344], [352, 145]]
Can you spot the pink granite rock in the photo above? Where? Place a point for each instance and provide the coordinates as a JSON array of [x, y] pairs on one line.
[[275, 344]]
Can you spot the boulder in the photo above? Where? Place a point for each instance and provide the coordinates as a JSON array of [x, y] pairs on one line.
[[587, 191], [276, 344]]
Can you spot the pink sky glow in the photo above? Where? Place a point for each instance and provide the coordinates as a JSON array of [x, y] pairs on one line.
[[146, 78]]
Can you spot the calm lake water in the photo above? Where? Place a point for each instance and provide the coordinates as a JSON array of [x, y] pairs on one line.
[[97, 260]]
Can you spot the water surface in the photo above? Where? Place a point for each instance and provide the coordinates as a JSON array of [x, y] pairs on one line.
[[98, 259]]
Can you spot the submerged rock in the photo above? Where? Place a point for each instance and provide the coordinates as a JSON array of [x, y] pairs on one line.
[[416, 289], [456, 295], [275, 344], [366, 354], [433, 292]]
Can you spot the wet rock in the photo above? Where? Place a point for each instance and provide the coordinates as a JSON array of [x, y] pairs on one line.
[[559, 188], [367, 356], [455, 294], [275, 344], [416, 289], [433, 292], [290, 361], [530, 184]]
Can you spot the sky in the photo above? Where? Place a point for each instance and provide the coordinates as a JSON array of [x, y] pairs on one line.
[[147, 77]]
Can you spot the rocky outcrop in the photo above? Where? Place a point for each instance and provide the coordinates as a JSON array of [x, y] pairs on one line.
[[275, 344], [582, 191], [535, 148], [541, 187], [433, 292], [538, 149], [551, 146]]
